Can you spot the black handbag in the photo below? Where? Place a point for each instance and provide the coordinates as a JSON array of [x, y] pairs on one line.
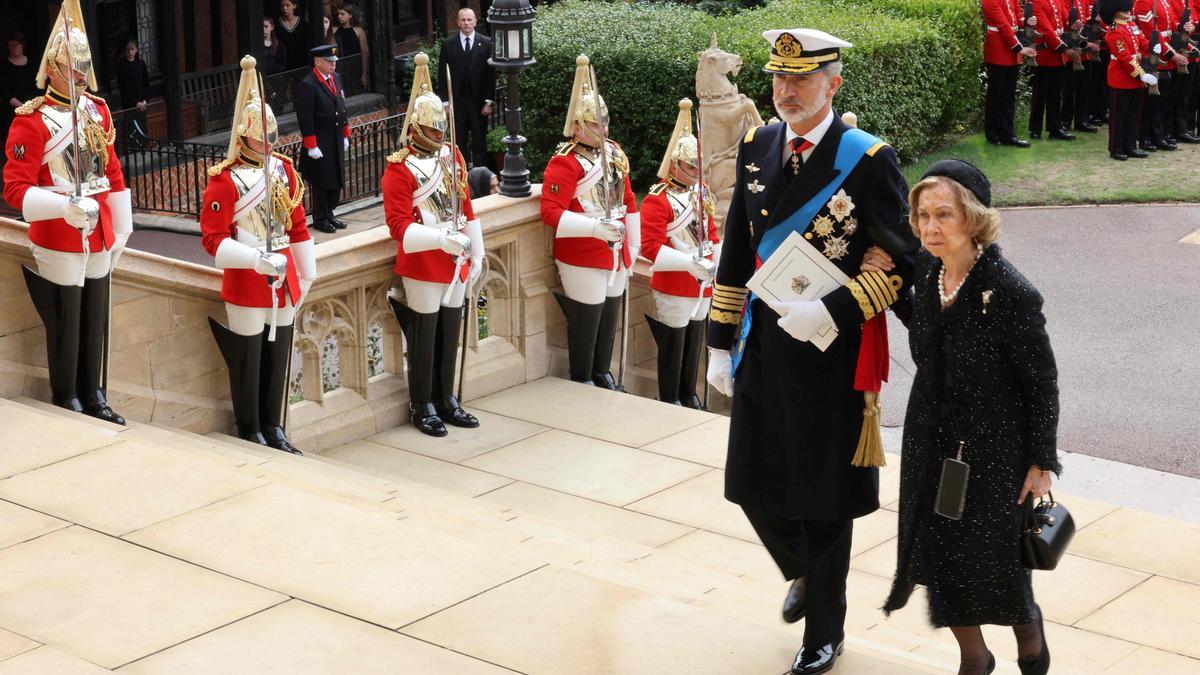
[[1048, 529]]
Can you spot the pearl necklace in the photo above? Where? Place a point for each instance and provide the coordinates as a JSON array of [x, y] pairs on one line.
[[948, 298]]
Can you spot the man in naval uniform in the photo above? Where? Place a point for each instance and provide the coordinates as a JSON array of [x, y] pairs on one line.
[[803, 437], [252, 222], [325, 128], [679, 236], [63, 175], [596, 227], [439, 257]]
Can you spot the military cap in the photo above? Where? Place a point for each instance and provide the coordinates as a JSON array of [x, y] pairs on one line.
[[324, 52], [798, 51]]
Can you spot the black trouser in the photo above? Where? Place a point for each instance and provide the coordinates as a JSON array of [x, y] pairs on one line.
[[1150, 129], [1099, 96], [324, 202], [1175, 108], [1047, 99], [1075, 97], [818, 550], [1000, 105], [468, 119], [1123, 119], [1193, 97]]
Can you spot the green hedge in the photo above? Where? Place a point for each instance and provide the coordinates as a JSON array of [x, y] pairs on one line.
[[902, 76]]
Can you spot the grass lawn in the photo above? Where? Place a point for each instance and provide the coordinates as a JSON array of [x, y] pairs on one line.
[[1072, 172]]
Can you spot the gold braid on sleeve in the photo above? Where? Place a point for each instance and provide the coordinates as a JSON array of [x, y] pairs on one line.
[[874, 291], [727, 303]]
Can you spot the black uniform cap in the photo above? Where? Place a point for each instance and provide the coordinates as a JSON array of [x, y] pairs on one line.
[[965, 174], [324, 51]]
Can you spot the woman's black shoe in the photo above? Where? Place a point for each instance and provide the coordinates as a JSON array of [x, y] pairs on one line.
[[1041, 664]]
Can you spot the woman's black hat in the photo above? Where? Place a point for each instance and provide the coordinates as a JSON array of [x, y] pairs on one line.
[[966, 174]]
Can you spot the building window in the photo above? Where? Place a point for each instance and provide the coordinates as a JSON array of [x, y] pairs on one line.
[[147, 40]]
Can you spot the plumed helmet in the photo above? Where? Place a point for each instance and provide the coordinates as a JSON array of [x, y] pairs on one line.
[[68, 49], [683, 145]]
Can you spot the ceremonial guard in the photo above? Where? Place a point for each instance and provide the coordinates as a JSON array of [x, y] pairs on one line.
[[252, 222], [1076, 109], [679, 236], [803, 436], [325, 130], [64, 177], [1156, 20], [588, 202], [1002, 54], [1052, 54], [440, 255], [1126, 78]]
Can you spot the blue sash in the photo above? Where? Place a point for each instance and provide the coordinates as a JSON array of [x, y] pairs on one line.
[[852, 147]]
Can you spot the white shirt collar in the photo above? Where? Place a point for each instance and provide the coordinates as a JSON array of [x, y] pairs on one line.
[[814, 137]]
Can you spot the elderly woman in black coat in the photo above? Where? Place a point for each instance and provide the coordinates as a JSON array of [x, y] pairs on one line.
[[986, 384]]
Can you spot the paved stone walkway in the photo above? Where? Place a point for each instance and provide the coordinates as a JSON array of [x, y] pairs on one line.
[[538, 544]]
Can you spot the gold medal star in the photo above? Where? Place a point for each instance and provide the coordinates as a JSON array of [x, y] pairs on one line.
[[836, 248], [823, 226]]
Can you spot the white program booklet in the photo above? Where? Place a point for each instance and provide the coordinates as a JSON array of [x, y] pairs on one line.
[[798, 271]]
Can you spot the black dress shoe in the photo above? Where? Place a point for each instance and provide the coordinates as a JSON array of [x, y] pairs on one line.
[[793, 604], [1086, 128], [1061, 135], [1163, 145], [276, 439], [452, 413], [337, 224], [605, 381], [1138, 154], [1016, 142], [103, 412], [1120, 157], [813, 661], [1148, 147], [323, 226], [1036, 135], [1188, 138], [426, 420]]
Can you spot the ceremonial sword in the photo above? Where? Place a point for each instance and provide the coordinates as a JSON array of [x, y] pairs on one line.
[[456, 201]]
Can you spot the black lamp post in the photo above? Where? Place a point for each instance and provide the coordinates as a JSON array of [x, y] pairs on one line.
[[512, 36]]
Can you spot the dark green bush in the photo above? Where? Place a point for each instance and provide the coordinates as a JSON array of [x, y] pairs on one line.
[[899, 78]]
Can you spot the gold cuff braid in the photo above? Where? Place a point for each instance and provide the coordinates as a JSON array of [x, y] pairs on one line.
[[860, 296], [720, 316], [874, 291]]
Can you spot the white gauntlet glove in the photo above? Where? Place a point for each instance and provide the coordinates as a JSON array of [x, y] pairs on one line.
[[455, 243], [606, 229], [720, 371], [703, 269], [1157, 49], [82, 213], [271, 264], [1149, 79], [346, 144], [803, 319], [315, 153]]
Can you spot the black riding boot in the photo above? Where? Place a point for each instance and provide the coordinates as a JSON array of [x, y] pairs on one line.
[[670, 356], [420, 334], [243, 356], [605, 337], [582, 323], [93, 338], [693, 347], [273, 386], [445, 359], [60, 309]]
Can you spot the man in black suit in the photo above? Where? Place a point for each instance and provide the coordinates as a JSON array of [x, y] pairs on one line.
[[324, 124], [474, 84], [802, 455]]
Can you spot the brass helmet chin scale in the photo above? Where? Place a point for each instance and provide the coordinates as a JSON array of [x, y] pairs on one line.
[[62, 57], [248, 112], [425, 110], [683, 148], [586, 106]]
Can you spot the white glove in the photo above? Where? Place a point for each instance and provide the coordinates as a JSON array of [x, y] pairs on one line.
[[1157, 49], [82, 213], [803, 319], [455, 243], [720, 371], [345, 144], [305, 284], [315, 153], [271, 264], [1149, 79], [475, 273], [612, 231], [703, 269]]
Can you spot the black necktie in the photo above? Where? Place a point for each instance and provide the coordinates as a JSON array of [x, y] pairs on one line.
[[467, 48]]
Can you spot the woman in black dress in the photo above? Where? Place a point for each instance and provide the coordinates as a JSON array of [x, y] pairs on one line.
[[272, 56], [291, 30], [18, 73], [985, 377], [351, 40]]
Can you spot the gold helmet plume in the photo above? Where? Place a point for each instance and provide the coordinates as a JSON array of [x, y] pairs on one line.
[[683, 146], [248, 111], [586, 105], [56, 55], [425, 109]]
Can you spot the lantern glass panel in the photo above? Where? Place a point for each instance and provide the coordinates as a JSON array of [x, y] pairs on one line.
[[514, 44], [498, 48], [525, 40]]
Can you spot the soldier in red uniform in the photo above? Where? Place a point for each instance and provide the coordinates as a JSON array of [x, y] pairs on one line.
[[1002, 53], [1052, 55], [1157, 111], [1178, 107], [1126, 78], [1076, 92], [679, 236], [252, 222], [597, 230], [440, 254], [63, 175]]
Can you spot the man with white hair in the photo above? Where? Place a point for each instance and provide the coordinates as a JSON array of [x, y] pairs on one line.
[[804, 437]]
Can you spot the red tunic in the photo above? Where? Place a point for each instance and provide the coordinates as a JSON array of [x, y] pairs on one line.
[[24, 146], [1051, 16], [1124, 66], [245, 287], [1002, 19], [434, 265], [657, 216], [562, 174], [1156, 15]]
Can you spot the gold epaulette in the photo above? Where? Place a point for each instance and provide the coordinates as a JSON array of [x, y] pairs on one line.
[[220, 166], [565, 148], [399, 156], [874, 291], [750, 134], [31, 105], [727, 303], [876, 148], [658, 189], [620, 159]]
